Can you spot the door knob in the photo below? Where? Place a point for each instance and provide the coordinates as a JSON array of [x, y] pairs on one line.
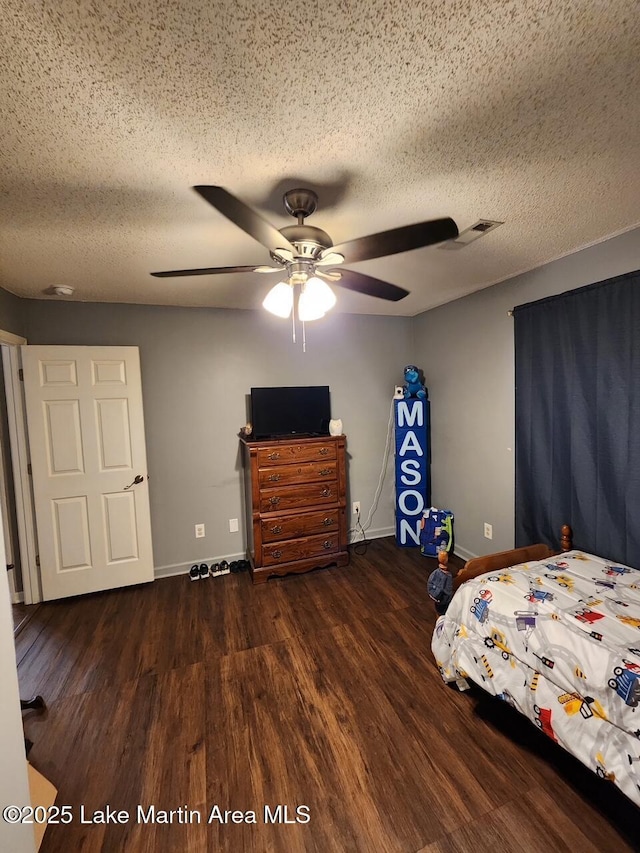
[[136, 482]]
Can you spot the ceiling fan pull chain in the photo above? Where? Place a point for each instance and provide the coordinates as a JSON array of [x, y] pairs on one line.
[[304, 338], [293, 317]]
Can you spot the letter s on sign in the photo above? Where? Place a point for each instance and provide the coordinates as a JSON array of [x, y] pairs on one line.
[[410, 477]]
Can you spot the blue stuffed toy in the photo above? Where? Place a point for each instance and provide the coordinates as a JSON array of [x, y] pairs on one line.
[[413, 387]]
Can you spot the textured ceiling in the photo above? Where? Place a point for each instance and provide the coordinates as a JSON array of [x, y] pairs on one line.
[[395, 112]]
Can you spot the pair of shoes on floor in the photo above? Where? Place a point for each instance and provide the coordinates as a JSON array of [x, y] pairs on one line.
[[238, 566], [199, 572], [221, 568]]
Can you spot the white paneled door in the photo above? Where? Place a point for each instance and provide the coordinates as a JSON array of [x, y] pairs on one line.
[[88, 459]]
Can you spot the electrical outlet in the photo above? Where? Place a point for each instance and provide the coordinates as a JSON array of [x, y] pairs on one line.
[[199, 531], [488, 531], [355, 508], [233, 525]]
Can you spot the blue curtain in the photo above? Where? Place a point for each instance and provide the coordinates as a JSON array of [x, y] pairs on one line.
[[578, 418]]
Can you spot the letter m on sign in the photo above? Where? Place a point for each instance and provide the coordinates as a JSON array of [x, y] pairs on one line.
[[409, 414]]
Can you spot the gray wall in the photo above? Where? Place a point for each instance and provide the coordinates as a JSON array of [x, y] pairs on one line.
[[199, 364], [466, 351], [12, 313], [197, 368]]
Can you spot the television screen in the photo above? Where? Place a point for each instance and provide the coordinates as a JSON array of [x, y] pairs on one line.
[[281, 412]]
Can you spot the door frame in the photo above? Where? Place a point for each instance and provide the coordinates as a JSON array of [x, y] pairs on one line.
[[19, 446]]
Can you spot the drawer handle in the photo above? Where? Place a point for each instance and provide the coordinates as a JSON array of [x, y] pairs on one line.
[[277, 553], [327, 543], [325, 493], [325, 471], [327, 522], [274, 501], [323, 451], [274, 477], [277, 528], [274, 455]]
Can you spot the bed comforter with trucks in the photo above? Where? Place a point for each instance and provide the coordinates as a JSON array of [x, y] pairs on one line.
[[559, 640]]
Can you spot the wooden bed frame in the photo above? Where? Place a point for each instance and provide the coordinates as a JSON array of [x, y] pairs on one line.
[[504, 559]]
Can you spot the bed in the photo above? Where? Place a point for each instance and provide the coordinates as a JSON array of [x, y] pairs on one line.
[[557, 636]]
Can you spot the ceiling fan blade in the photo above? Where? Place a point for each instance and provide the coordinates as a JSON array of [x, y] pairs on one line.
[[328, 275], [396, 240], [330, 258], [361, 283], [245, 217], [205, 271]]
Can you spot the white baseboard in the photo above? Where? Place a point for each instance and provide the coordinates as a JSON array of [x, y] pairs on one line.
[[183, 568], [378, 533], [354, 538], [459, 551]]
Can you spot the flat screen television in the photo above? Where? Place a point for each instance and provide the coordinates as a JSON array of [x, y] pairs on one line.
[[283, 412]]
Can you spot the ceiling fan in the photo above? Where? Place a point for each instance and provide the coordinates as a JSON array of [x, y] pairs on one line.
[[308, 256]]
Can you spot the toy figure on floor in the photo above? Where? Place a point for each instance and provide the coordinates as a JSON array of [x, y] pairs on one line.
[[440, 584], [414, 386]]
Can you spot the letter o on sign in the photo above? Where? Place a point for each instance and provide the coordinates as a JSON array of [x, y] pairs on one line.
[[402, 502]]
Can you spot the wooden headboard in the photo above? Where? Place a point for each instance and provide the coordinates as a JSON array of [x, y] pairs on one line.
[[504, 559]]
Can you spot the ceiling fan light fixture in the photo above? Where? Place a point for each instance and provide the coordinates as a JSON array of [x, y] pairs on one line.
[[316, 298], [279, 300]]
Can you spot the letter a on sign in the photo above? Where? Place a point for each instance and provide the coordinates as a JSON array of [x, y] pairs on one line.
[[412, 468]]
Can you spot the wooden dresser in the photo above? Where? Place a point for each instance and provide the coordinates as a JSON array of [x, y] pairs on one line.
[[296, 504]]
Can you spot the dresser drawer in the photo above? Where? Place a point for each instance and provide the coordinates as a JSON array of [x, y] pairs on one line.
[[293, 497], [283, 454], [298, 549], [294, 526], [305, 472]]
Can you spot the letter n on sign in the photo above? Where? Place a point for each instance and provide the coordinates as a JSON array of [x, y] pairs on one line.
[[412, 468]]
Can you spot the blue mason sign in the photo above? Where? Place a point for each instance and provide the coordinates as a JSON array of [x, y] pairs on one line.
[[412, 468]]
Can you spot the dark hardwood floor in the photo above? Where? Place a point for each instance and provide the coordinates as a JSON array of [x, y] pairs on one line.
[[21, 615], [315, 690]]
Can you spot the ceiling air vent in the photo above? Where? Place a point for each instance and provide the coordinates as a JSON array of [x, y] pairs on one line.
[[482, 227]]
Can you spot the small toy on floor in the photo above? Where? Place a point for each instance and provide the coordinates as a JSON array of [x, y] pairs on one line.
[[440, 583]]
